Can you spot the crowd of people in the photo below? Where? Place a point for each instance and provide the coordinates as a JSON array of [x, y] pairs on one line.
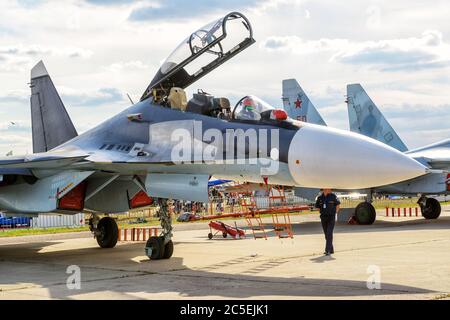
[[218, 202]]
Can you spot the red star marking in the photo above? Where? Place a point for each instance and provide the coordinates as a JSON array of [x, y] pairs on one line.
[[298, 103]]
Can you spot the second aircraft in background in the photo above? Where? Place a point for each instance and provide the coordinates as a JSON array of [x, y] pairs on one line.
[[365, 118]]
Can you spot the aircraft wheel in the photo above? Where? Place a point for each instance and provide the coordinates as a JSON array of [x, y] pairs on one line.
[[432, 209], [168, 250], [210, 236], [365, 213], [224, 234], [108, 232], [154, 248]]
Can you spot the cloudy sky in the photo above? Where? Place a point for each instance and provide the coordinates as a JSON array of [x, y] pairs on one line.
[[97, 51]]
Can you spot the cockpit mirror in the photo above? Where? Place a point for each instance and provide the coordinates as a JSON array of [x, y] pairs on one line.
[[200, 53]]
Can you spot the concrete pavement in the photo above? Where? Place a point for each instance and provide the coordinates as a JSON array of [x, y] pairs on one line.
[[410, 257]]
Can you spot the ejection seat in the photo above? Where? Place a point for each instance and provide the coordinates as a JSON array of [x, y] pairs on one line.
[[224, 104], [208, 105], [177, 99]]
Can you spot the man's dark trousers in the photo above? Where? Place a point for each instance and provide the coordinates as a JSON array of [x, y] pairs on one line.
[[328, 221]]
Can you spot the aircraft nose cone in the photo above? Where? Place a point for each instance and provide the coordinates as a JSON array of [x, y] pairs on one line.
[[321, 157]]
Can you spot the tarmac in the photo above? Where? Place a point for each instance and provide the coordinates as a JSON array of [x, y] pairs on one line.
[[396, 258]]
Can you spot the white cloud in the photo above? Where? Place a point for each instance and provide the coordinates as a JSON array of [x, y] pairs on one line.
[[413, 53], [121, 66], [21, 57], [336, 45]]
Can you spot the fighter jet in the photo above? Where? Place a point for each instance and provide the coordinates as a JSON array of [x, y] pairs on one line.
[[432, 183], [167, 146], [365, 118]]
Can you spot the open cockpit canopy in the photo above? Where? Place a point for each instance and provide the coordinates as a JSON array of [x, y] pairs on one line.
[[200, 53]]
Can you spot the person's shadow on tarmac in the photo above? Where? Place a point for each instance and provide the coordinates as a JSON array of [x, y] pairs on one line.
[[322, 259]]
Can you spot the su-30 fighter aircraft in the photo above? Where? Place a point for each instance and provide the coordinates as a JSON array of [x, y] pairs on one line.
[[366, 119], [167, 147]]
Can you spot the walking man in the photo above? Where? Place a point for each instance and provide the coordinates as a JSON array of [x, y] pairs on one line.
[[329, 206]]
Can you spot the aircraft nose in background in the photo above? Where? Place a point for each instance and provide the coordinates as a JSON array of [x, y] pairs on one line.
[[322, 157]]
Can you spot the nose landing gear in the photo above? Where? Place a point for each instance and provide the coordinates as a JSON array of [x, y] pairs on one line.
[[161, 247]]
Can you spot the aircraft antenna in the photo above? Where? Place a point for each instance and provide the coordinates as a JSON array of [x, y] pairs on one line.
[[131, 100]]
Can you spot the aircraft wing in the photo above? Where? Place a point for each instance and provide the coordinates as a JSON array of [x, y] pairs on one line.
[[436, 155], [9, 164]]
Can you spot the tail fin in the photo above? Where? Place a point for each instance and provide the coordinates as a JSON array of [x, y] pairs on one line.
[[297, 104], [50, 122], [365, 118]]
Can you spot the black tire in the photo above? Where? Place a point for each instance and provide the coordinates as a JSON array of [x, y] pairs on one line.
[[224, 234], [156, 244], [365, 213], [432, 209], [210, 236], [108, 232], [168, 250]]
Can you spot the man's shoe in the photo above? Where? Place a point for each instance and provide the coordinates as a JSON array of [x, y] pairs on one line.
[[327, 253]]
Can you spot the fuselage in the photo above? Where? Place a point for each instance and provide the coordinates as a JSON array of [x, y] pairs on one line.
[[307, 155], [176, 150]]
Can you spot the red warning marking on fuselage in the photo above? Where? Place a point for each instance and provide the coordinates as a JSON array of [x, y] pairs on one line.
[[65, 188]]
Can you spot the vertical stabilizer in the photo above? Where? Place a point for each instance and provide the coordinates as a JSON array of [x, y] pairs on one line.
[[297, 104], [299, 107], [365, 118], [50, 122]]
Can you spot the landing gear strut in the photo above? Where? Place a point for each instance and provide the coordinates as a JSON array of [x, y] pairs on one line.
[[430, 207], [161, 247], [105, 231]]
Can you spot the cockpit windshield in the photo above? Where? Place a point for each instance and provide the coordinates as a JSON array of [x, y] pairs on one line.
[[252, 108], [194, 44], [201, 52]]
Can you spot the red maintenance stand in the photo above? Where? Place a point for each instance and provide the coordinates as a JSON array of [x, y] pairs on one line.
[[226, 229]]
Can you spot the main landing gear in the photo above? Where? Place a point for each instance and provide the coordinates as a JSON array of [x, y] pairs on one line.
[[365, 213], [161, 247], [430, 207], [105, 231]]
